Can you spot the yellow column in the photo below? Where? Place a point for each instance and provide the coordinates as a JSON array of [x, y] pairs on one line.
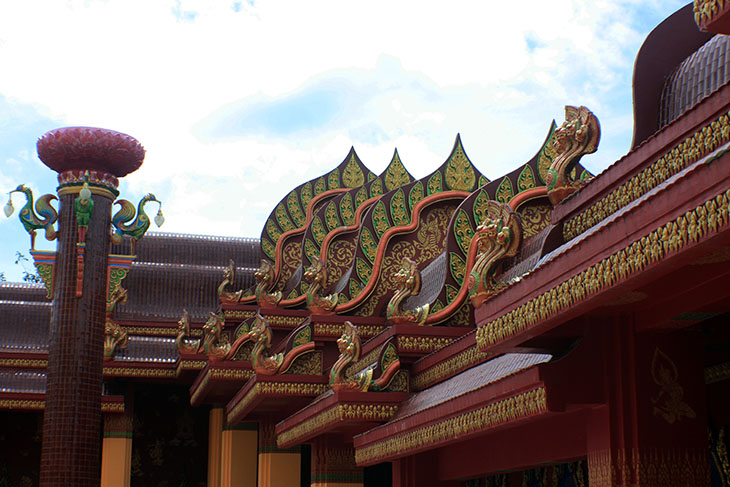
[[239, 449], [215, 430], [277, 468], [116, 450]]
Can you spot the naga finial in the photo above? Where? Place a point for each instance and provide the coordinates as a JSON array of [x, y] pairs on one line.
[[137, 228], [114, 336], [499, 236], [183, 327], [408, 280], [316, 276], [375, 376], [350, 347], [261, 336], [117, 296], [43, 217], [225, 295], [215, 343], [577, 136], [264, 285]]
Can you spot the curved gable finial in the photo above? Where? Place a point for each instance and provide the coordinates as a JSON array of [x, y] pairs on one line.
[[577, 136]]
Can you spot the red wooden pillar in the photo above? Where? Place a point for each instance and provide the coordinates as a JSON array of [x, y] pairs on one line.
[[653, 429]]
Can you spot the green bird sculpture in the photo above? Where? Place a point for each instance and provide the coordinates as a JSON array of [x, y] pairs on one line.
[[126, 213], [43, 217]]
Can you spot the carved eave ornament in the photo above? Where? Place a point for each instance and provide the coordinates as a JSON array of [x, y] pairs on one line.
[[184, 345], [216, 344], [225, 294], [265, 284], [298, 343], [374, 377], [497, 238], [350, 347], [408, 279], [316, 276], [577, 136], [114, 336]]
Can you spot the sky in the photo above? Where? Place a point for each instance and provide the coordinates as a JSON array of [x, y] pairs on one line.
[[238, 102]]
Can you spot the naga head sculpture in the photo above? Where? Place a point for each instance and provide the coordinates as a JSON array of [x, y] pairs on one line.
[[408, 282], [261, 331], [498, 237], [577, 136], [264, 284], [264, 275], [183, 325], [408, 278], [316, 274], [349, 343]]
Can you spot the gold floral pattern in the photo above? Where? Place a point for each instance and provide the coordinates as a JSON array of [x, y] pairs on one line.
[[352, 176], [340, 255], [427, 243], [526, 179], [376, 188], [347, 211], [367, 244], [505, 192], [333, 179], [434, 184], [318, 231], [459, 174], [330, 216], [361, 196], [282, 218], [416, 194], [534, 218], [398, 210], [292, 204], [396, 174], [380, 219]]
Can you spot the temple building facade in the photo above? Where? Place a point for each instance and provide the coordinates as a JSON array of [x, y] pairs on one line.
[[545, 328]]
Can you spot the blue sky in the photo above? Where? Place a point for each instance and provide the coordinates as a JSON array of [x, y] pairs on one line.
[[238, 102]]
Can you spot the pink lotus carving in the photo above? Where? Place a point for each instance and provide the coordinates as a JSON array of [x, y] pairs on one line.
[[89, 148]]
